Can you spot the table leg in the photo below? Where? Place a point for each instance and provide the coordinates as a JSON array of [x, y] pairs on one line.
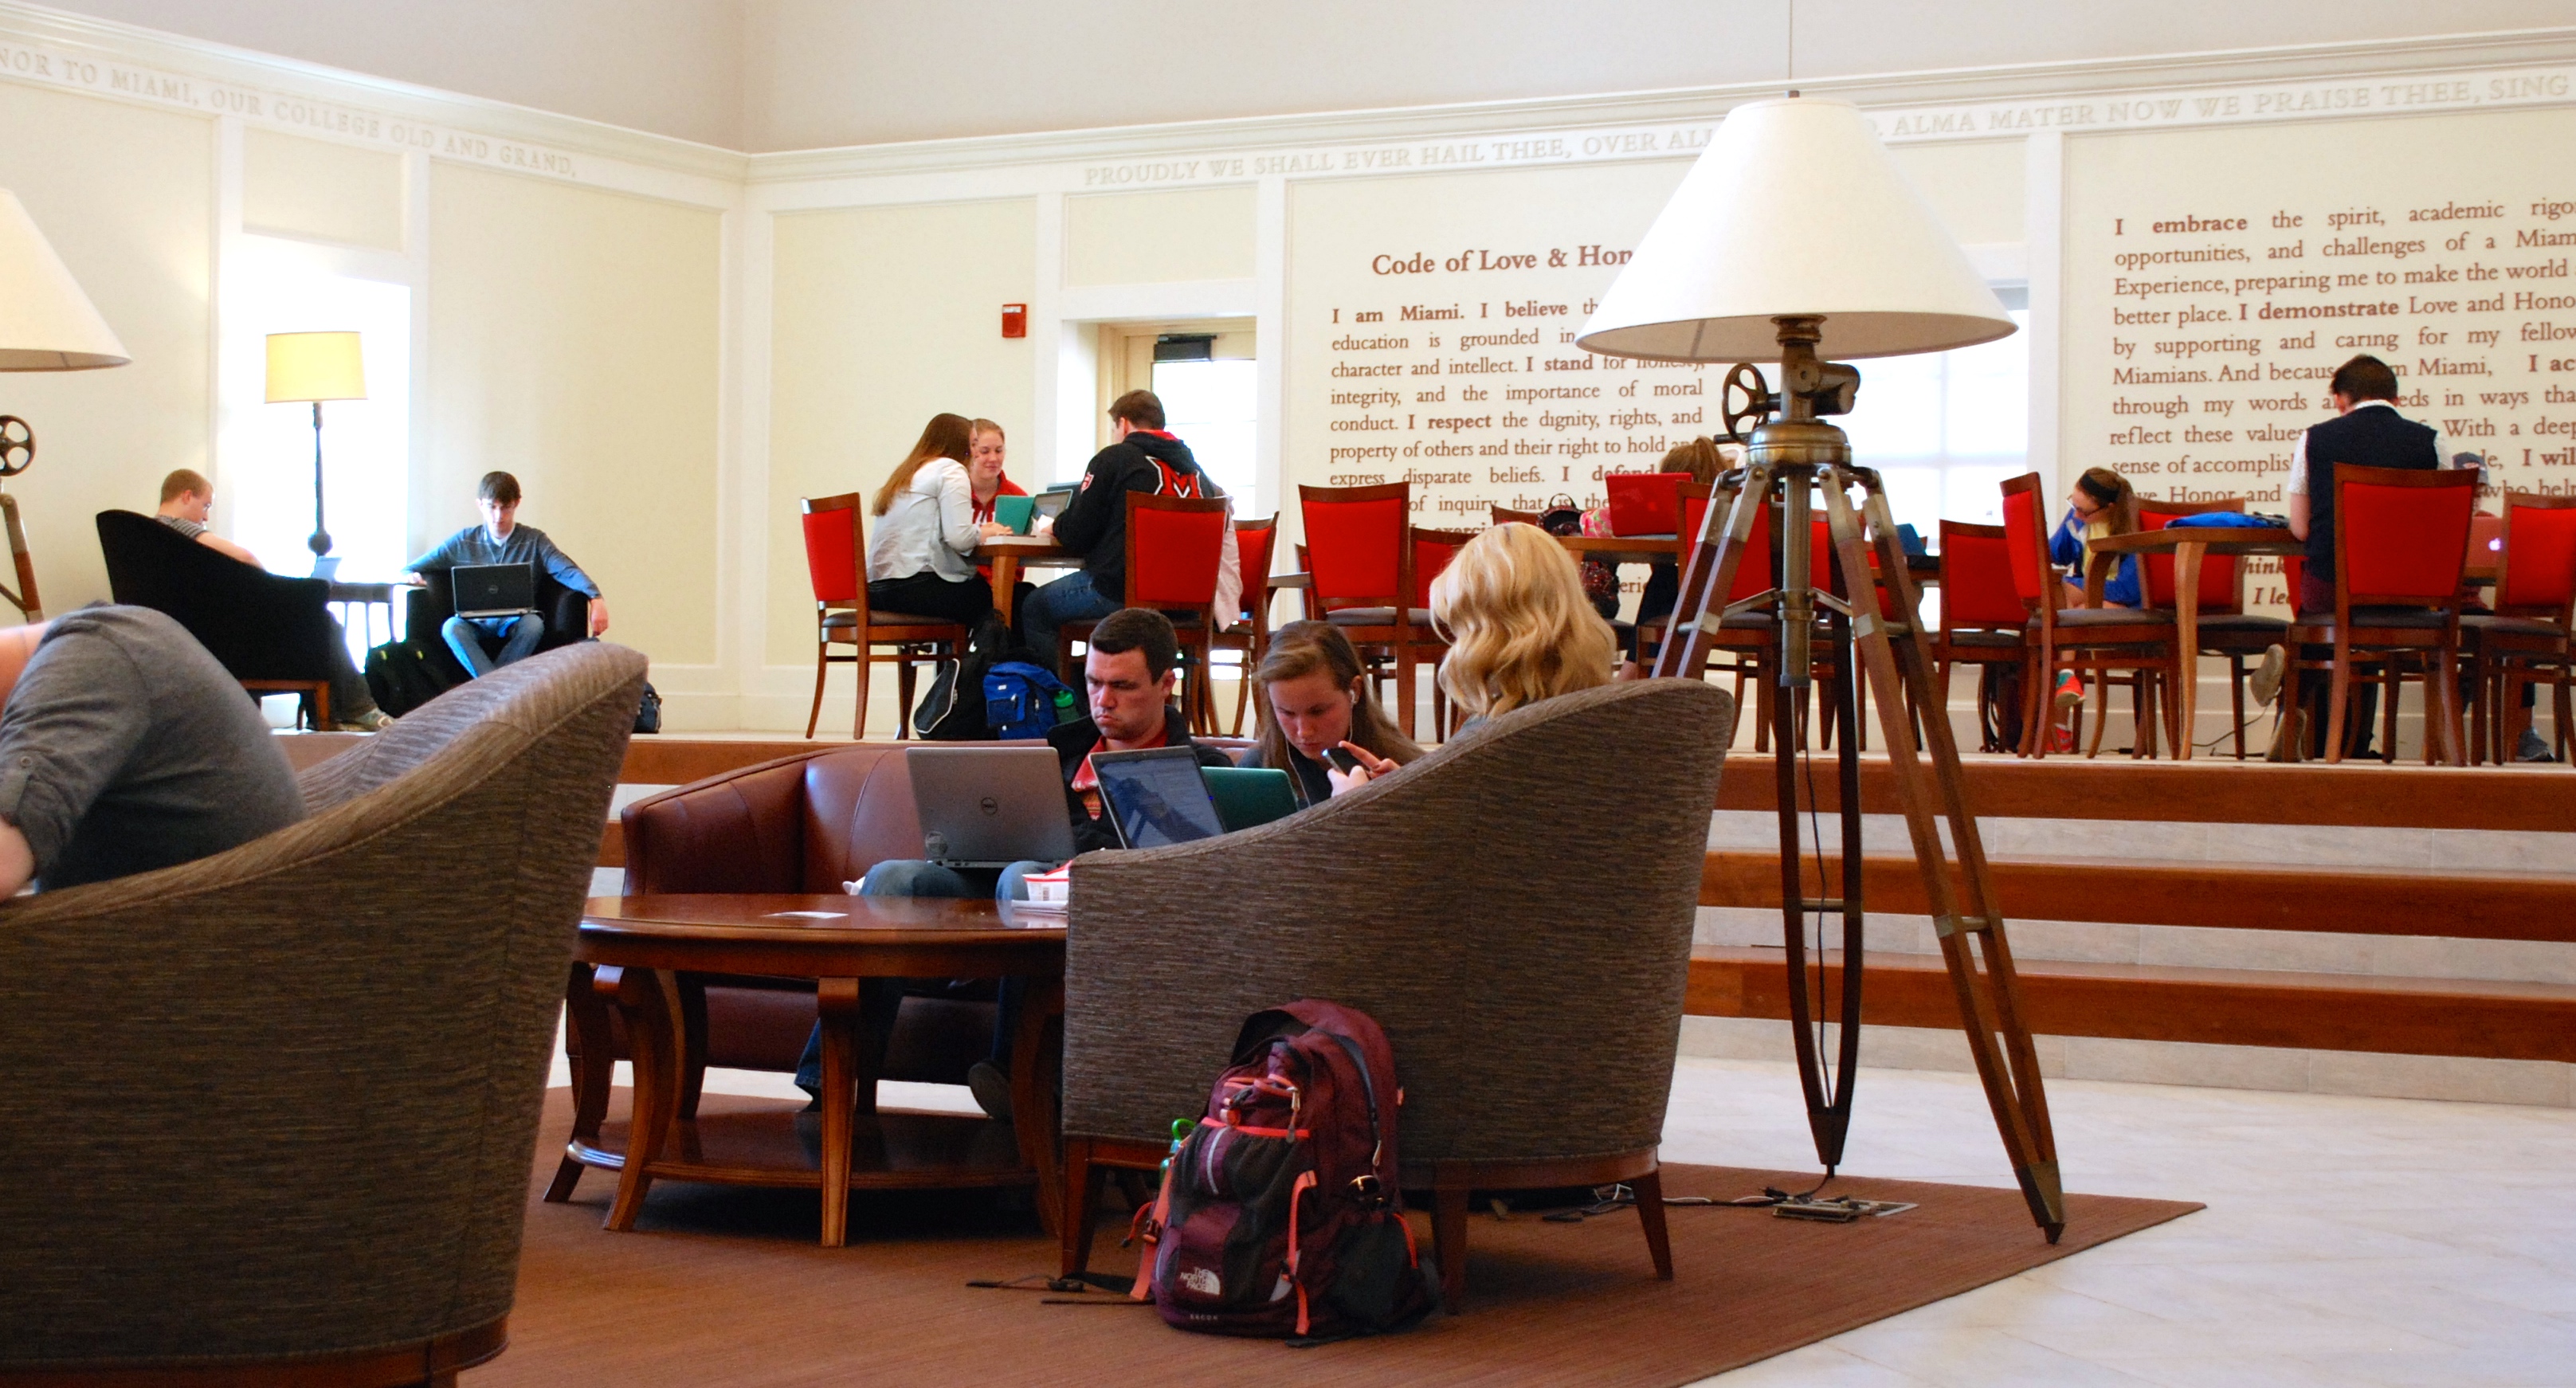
[[2187, 557], [1033, 1096], [1006, 581], [836, 1000], [652, 1036]]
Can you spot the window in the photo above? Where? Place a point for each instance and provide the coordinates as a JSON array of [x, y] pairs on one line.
[[1944, 429], [1212, 406]]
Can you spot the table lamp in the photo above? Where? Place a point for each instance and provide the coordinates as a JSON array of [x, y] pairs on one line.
[[1796, 228], [46, 324], [314, 367]]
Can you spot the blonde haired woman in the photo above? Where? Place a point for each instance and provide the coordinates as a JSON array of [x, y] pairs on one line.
[[920, 552], [1519, 627]]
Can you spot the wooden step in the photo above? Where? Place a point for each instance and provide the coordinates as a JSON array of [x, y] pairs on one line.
[[2233, 1007], [2355, 901]]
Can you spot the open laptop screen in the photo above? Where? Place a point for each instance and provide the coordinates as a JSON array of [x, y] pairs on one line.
[[1157, 797]]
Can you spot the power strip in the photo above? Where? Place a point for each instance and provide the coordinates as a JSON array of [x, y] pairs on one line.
[[1842, 1211]]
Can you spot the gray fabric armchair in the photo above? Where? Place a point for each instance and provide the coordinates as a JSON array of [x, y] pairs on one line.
[[1515, 909], [280, 1104]]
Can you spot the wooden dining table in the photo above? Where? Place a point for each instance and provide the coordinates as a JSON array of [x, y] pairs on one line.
[[2190, 545], [1006, 555]]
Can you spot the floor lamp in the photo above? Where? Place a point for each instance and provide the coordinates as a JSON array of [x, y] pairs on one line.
[[1793, 230], [311, 368], [46, 324]]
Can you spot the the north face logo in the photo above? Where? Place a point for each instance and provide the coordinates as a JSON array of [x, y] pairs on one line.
[[1203, 1281]]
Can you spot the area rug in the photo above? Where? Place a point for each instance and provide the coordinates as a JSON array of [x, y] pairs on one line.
[[725, 1286]]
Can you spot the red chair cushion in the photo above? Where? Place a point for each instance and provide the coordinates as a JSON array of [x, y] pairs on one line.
[[2026, 540], [1177, 556], [1351, 549], [2403, 543], [2540, 558], [1252, 549], [1977, 587], [1430, 556], [2217, 572], [830, 559]]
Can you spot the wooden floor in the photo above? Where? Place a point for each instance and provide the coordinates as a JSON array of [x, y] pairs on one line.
[[727, 1287]]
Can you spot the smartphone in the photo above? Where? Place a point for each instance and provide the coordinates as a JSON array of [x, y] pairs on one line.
[[1340, 759]]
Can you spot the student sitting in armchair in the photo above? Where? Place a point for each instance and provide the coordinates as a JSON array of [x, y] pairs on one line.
[[500, 539]]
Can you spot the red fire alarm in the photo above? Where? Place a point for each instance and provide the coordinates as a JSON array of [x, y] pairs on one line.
[[1015, 320]]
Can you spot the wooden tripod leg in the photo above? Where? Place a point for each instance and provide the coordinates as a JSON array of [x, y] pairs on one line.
[[1708, 575], [25, 599], [1989, 1001]]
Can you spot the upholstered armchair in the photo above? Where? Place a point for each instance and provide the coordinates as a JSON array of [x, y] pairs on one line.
[[280, 1103], [1515, 909], [269, 632]]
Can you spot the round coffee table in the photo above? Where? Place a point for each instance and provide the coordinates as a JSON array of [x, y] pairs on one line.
[[638, 946]]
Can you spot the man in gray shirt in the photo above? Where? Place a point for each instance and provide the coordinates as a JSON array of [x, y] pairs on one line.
[[125, 747], [500, 539]]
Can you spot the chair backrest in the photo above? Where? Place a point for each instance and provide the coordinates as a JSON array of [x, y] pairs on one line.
[[1644, 503], [1977, 588], [1506, 517], [1753, 570], [1600, 801], [2222, 582], [368, 1030], [836, 547], [257, 625], [2402, 536], [1694, 511], [2539, 574], [1254, 542], [1432, 551], [1175, 546], [2026, 540], [1355, 544]]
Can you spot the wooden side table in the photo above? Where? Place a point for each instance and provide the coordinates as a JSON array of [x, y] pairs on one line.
[[637, 948]]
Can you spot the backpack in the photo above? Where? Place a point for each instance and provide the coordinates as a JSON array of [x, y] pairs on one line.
[[1279, 1214], [1600, 581], [401, 679], [952, 709], [1022, 700], [648, 712]]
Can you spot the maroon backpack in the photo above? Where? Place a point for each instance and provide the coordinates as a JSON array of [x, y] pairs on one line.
[[1279, 1214]]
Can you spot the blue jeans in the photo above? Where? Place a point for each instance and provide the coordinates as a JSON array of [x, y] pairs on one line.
[[518, 637], [881, 998], [1068, 599]]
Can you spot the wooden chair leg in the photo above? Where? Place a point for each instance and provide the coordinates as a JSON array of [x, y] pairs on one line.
[[2236, 699], [594, 1069], [1082, 1186], [2338, 694], [2485, 690], [1650, 1213], [822, 666], [1404, 687], [1449, 1244], [2449, 703], [859, 720], [905, 673]]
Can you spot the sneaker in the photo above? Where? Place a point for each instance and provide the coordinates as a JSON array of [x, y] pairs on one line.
[[991, 1088], [2070, 690], [2062, 740], [374, 720], [2266, 683], [2531, 747]]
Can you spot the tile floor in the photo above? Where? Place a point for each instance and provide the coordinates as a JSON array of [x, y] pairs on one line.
[[2348, 1241]]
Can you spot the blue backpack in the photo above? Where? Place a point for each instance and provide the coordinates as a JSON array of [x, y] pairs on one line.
[[1023, 700]]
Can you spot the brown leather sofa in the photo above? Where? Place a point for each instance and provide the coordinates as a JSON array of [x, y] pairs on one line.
[[805, 823]]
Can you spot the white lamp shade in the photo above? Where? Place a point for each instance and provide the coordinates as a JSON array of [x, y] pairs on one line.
[[46, 322], [315, 366], [1794, 208]]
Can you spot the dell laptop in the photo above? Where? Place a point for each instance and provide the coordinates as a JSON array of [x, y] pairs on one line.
[[1156, 797], [494, 590], [989, 807]]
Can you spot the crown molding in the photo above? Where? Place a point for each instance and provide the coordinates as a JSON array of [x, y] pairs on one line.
[[2028, 82], [123, 62]]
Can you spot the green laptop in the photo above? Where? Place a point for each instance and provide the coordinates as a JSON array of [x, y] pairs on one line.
[[1015, 512], [1246, 796]]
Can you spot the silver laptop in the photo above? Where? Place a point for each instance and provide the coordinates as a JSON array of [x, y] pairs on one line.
[[494, 590], [1157, 797], [990, 807]]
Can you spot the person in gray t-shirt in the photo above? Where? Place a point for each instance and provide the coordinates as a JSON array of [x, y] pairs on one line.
[[125, 747]]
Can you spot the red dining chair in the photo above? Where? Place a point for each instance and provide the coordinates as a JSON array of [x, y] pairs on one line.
[[2225, 627], [1983, 623], [1175, 545], [1745, 641], [2094, 639], [836, 560], [1254, 542], [2401, 544], [1361, 560], [1432, 551], [2524, 640]]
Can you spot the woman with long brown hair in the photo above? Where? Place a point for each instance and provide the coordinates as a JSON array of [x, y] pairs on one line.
[[920, 558], [1313, 699], [2102, 503]]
